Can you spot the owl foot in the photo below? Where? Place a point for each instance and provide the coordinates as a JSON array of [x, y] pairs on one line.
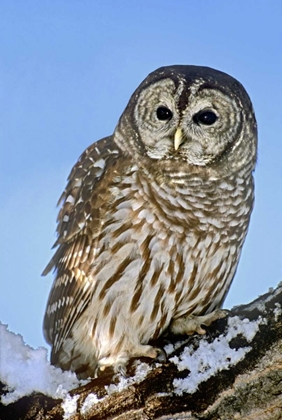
[[159, 355], [162, 356], [121, 369], [119, 363], [149, 351], [190, 324]]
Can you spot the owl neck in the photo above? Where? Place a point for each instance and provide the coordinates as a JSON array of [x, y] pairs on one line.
[[179, 173]]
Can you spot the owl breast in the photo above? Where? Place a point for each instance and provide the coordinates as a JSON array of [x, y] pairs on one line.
[[163, 250]]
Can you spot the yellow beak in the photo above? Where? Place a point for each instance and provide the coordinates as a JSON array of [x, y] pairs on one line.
[[178, 138]]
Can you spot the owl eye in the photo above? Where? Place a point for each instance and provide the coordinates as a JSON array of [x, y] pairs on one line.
[[205, 117], [163, 113]]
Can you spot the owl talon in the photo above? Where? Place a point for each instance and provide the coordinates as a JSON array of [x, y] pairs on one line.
[[121, 369], [190, 324], [162, 356]]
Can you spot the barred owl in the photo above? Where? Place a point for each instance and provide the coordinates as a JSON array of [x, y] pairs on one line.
[[152, 221]]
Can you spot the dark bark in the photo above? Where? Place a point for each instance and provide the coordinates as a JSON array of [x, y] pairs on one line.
[[251, 389]]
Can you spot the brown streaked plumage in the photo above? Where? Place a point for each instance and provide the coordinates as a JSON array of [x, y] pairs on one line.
[[152, 221]]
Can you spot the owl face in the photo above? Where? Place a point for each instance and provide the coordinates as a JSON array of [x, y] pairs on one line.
[[192, 114]]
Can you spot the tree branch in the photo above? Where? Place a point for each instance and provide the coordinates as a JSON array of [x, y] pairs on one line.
[[233, 372]]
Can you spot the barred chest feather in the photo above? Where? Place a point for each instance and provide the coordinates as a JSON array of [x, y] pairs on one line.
[[163, 250]]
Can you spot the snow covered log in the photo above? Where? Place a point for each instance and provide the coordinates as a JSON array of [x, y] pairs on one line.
[[233, 372]]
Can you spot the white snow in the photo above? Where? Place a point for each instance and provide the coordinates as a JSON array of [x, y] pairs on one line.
[[170, 348], [89, 401], [141, 372], [211, 358], [70, 406], [277, 311], [260, 304], [25, 370]]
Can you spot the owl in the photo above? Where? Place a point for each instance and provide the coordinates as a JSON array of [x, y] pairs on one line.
[[152, 221]]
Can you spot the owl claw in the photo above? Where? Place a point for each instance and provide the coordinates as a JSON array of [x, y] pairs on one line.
[[190, 324], [121, 369], [162, 356]]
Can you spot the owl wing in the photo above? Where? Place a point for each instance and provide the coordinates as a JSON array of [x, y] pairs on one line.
[[78, 225]]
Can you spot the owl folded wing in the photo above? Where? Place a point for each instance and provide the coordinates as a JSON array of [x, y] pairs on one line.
[[78, 226]]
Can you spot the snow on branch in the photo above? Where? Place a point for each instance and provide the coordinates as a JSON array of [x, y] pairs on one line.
[[25, 370], [232, 371]]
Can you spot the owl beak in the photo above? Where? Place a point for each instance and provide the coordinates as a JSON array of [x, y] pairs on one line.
[[178, 138]]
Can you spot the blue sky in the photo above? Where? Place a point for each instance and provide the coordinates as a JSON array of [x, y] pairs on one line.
[[67, 70]]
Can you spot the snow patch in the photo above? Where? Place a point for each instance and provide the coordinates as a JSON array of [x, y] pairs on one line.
[[89, 401], [211, 358], [277, 311], [170, 348], [25, 370], [69, 406], [260, 304], [141, 372]]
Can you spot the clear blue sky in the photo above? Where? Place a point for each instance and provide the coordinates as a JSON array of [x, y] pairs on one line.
[[67, 70]]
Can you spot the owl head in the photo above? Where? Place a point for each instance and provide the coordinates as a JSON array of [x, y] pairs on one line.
[[189, 116]]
